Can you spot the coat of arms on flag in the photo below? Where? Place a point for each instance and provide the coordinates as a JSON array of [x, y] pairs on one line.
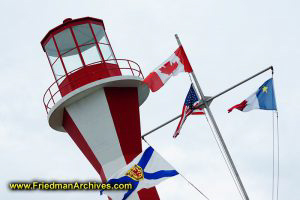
[[145, 171]]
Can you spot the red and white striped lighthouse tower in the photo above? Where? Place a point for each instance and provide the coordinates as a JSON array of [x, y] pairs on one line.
[[95, 97]]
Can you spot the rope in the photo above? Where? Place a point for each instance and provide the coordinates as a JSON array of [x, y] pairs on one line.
[[273, 145], [225, 158], [189, 182], [273, 156], [278, 158], [193, 186], [275, 184], [146, 141]]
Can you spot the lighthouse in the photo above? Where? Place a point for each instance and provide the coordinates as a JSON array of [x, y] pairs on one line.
[[95, 97]]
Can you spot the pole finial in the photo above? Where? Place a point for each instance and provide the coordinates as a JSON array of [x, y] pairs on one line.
[[272, 68]]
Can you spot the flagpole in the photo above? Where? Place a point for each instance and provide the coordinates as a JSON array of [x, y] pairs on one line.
[[221, 140]]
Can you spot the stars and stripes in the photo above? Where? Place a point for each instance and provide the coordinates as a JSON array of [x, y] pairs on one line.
[[189, 108]]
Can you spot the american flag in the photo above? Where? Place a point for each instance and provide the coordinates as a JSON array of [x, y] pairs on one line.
[[191, 101]]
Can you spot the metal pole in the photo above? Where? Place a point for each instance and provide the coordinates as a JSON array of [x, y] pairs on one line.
[[217, 131], [240, 83], [144, 135]]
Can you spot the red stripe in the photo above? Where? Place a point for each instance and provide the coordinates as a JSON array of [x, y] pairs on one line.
[[177, 131], [77, 137], [180, 53], [240, 106], [148, 194], [197, 113], [153, 81], [124, 108]]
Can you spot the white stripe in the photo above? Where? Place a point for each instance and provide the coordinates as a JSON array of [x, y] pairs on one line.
[[165, 77], [94, 121], [252, 103], [155, 164]]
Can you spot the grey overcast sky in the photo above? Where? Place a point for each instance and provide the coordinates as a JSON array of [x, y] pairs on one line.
[[226, 41]]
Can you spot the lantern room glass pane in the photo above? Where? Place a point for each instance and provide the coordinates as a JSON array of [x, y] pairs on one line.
[[83, 34], [100, 34], [104, 44], [72, 62], [87, 44], [58, 71], [91, 54], [107, 53], [51, 51], [54, 60], [68, 51]]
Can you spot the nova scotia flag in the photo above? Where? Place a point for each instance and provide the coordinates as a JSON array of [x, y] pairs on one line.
[[145, 171]]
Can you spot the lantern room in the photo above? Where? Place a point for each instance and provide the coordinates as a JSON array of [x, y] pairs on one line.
[[79, 53]]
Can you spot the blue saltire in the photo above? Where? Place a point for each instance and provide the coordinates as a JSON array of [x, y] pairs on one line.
[[149, 176]]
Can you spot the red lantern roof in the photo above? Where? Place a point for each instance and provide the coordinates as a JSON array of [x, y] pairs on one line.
[[68, 22]]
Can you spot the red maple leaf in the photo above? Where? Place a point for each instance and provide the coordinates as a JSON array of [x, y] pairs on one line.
[[168, 68]]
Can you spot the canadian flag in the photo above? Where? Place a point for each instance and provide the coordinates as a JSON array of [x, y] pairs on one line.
[[175, 64]]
